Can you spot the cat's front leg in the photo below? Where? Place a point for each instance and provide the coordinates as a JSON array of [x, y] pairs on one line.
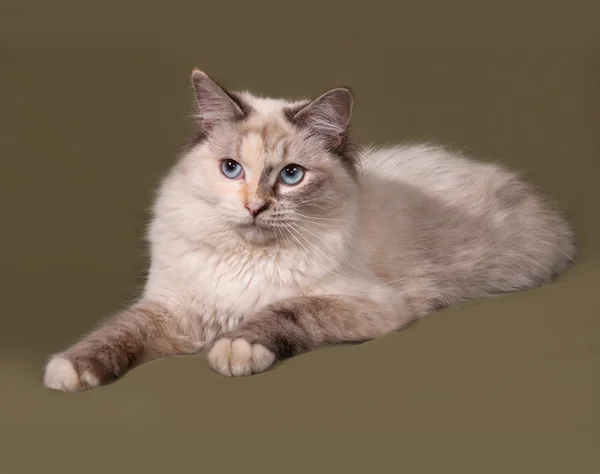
[[141, 333], [290, 327]]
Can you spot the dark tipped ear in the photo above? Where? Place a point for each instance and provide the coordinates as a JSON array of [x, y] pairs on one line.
[[327, 116], [215, 104]]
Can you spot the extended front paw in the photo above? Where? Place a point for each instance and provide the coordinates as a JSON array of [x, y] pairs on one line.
[[69, 375], [238, 357]]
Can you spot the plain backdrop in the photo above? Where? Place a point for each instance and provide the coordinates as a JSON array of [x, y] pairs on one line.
[[95, 106]]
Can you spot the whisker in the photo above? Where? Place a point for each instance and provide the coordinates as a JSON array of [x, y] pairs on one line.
[[336, 252], [325, 256], [318, 218], [320, 224], [315, 235]]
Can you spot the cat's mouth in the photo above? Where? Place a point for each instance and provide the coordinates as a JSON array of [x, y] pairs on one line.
[[254, 223], [256, 231]]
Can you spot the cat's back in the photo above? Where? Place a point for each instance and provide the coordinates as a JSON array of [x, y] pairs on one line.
[[448, 228], [433, 171]]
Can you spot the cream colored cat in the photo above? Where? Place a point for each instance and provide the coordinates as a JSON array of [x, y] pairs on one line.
[[273, 236]]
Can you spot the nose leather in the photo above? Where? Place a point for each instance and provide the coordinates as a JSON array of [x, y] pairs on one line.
[[255, 208]]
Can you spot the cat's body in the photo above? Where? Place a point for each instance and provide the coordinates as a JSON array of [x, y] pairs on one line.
[[446, 229], [437, 227], [360, 246]]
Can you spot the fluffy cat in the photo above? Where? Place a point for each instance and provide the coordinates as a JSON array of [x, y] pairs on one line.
[[272, 236]]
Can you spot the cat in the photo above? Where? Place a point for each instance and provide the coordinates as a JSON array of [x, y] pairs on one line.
[[273, 235]]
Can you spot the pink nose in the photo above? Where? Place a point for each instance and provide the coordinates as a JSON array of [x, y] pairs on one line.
[[255, 208]]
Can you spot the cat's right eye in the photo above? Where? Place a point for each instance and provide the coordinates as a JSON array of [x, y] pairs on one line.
[[231, 169]]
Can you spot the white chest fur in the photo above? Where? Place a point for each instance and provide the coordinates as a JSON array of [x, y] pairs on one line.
[[214, 289]]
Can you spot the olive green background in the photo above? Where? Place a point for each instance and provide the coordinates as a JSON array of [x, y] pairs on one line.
[[94, 107]]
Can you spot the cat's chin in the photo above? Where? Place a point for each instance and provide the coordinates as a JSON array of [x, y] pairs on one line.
[[257, 234]]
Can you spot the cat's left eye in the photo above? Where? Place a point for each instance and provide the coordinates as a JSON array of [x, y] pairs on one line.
[[292, 174]]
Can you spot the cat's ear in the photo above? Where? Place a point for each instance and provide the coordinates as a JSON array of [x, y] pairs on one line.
[[327, 116], [215, 104]]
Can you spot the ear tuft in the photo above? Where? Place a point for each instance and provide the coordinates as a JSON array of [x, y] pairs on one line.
[[328, 116]]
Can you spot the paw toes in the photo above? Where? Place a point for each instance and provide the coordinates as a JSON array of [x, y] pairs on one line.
[[239, 358], [218, 357], [262, 358], [60, 374], [88, 378], [240, 361]]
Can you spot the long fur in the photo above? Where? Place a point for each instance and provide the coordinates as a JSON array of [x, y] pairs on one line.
[[345, 255]]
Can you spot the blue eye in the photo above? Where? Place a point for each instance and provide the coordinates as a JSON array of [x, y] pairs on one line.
[[291, 174], [231, 169]]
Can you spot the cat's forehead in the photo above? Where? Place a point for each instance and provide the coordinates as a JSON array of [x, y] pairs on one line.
[[268, 106], [265, 138], [259, 149], [266, 134]]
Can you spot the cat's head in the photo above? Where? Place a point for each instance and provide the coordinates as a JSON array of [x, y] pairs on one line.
[[269, 167]]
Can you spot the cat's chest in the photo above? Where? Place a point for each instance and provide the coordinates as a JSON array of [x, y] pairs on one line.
[[245, 279], [223, 288]]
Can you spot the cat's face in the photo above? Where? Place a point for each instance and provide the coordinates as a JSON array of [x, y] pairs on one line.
[[269, 169]]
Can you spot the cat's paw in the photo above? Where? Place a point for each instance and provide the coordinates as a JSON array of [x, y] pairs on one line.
[[61, 374], [238, 357]]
